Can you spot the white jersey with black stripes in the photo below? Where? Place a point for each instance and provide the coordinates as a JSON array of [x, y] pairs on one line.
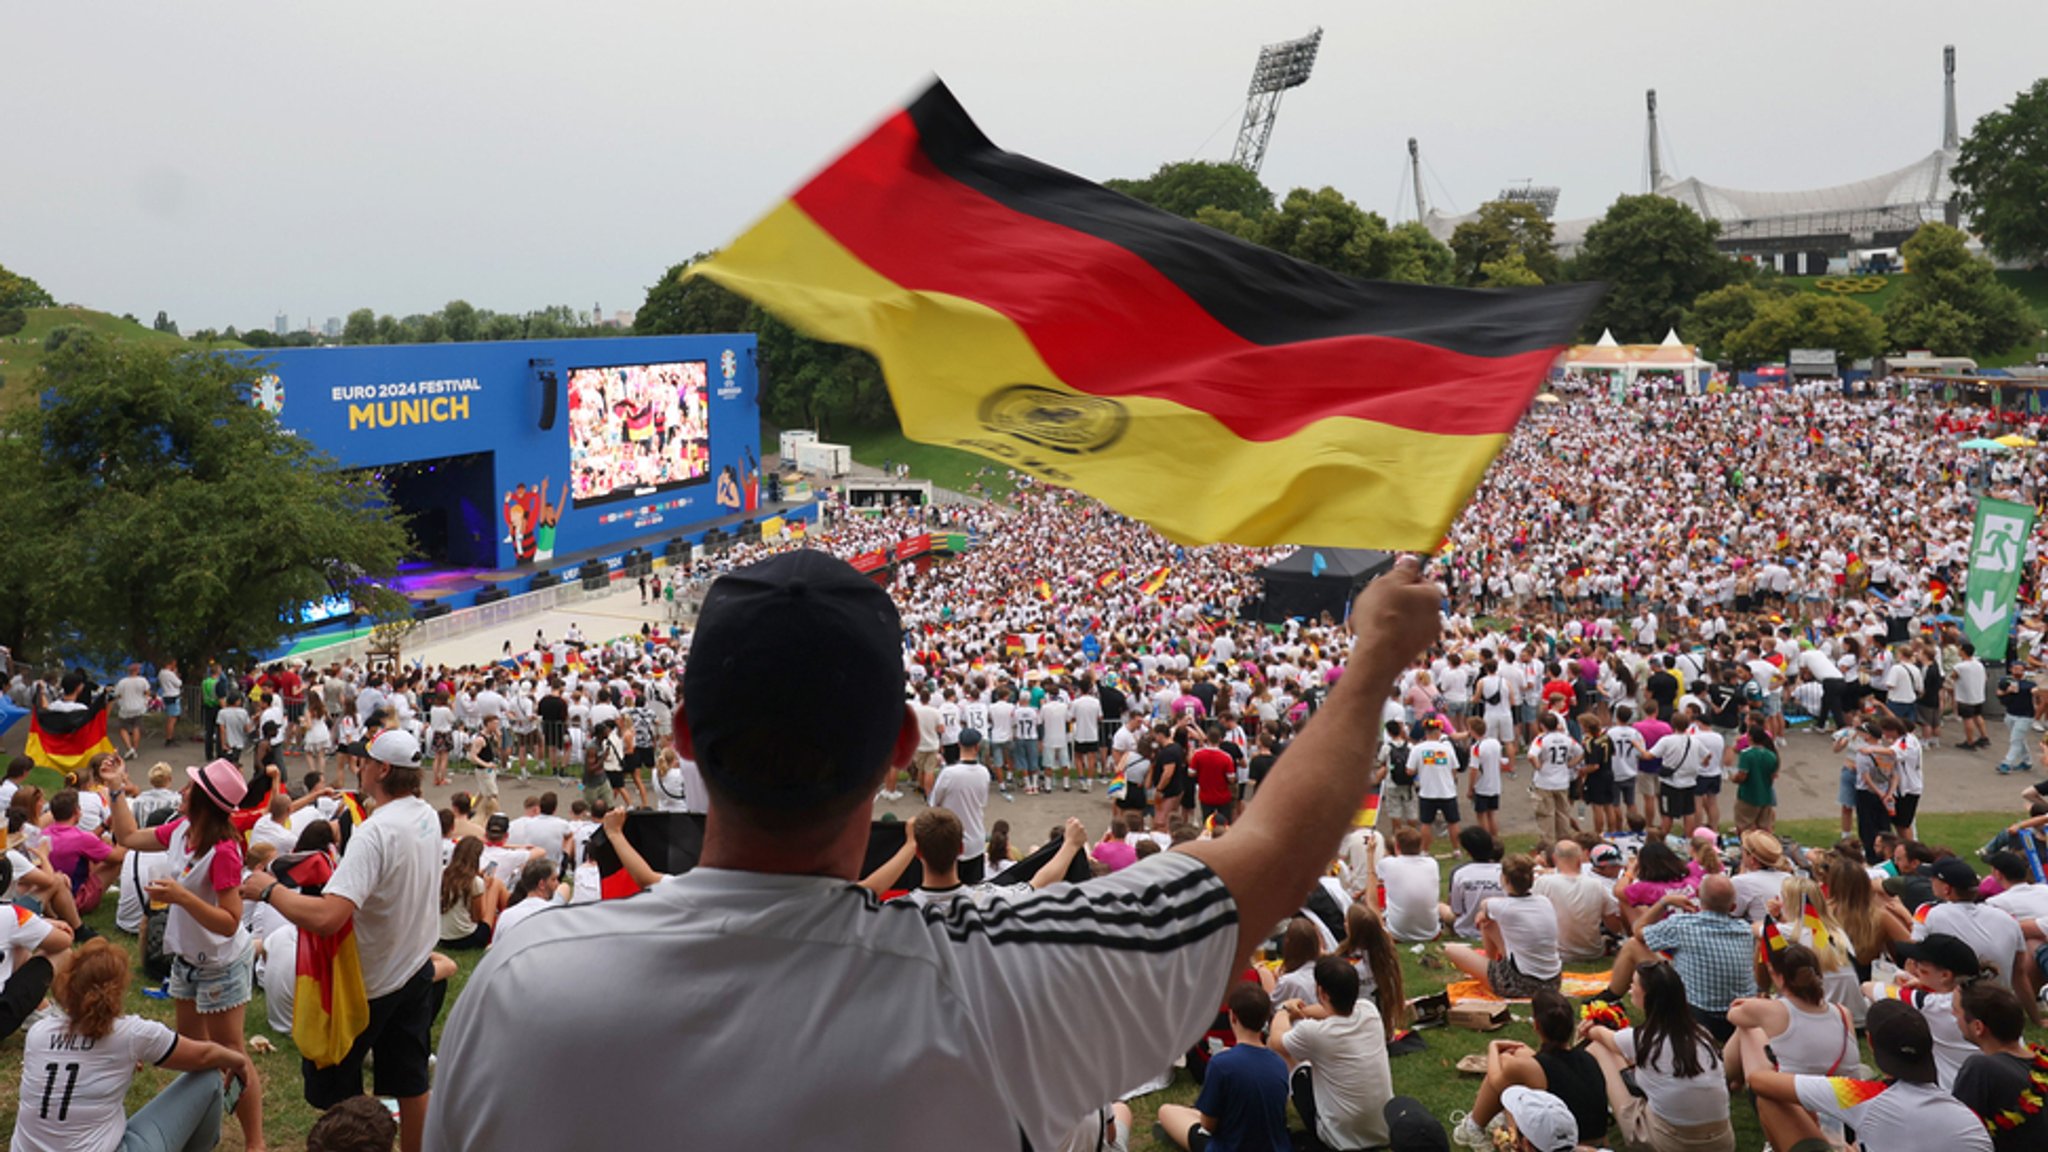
[[769, 1010]]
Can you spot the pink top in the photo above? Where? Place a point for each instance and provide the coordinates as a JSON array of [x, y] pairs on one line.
[[1117, 855]]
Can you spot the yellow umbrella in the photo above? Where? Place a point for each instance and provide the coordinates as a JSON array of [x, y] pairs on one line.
[[2015, 440]]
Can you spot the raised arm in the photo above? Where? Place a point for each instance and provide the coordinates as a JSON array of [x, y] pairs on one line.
[[885, 876], [121, 818], [1055, 869], [1288, 834]]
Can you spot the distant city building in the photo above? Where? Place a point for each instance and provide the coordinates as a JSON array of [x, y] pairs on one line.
[[283, 324], [331, 329]]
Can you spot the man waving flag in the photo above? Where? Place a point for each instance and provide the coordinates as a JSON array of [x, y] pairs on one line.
[[1213, 388]]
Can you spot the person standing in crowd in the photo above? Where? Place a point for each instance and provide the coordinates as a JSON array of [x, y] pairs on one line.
[[962, 789], [1141, 953], [1555, 759], [1755, 777], [213, 954], [388, 885], [2020, 698], [1968, 685]]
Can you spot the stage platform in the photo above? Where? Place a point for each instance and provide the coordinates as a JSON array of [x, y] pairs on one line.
[[432, 588]]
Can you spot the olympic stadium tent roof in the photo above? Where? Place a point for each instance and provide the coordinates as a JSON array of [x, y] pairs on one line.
[[1897, 201]]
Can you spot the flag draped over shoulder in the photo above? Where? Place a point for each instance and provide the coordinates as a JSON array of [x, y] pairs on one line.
[[331, 1005], [65, 739], [1048, 323]]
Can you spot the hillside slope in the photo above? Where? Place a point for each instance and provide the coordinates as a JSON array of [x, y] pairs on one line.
[[22, 353]]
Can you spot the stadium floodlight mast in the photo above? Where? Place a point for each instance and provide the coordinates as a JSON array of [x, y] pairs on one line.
[[1281, 66]]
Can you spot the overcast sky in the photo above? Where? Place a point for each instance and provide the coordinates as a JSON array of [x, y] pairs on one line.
[[229, 160]]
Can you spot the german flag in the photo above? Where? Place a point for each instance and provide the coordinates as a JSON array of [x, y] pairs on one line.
[[1368, 815], [1053, 325], [65, 740], [1044, 589], [332, 1004], [1155, 581], [1109, 579]]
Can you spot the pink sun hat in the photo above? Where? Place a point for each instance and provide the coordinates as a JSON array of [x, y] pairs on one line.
[[222, 782]]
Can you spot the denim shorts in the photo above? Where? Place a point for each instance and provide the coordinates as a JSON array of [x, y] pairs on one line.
[[218, 986], [1845, 791]]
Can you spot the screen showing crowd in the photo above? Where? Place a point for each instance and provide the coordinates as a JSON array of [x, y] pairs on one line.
[[637, 428]]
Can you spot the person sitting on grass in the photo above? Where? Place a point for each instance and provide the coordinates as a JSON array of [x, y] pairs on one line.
[[1519, 933], [1808, 1035], [1300, 945], [1243, 1104], [357, 1124], [1679, 1101], [77, 1065], [1997, 1081], [1474, 883], [1568, 1073], [1371, 951], [1711, 948], [1908, 1112], [1337, 1048]]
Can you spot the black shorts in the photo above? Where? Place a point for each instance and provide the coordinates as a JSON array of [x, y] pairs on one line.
[[1428, 810], [1707, 786], [400, 1033], [1481, 802], [1600, 788], [554, 733], [639, 759], [1085, 747], [1969, 711], [1674, 802]]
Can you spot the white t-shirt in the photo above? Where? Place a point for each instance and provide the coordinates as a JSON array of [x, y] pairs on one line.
[[19, 928], [518, 914], [280, 977], [2022, 901], [542, 832], [1471, 886], [1900, 1115], [1435, 764], [74, 1091], [1487, 756], [131, 696], [505, 862], [1628, 751], [1557, 757], [1411, 883], [962, 789], [1990, 931], [1528, 930], [1700, 1100], [1969, 681], [1582, 902], [980, 1053], [1755, 890], [392, 874], [1353, 1080]]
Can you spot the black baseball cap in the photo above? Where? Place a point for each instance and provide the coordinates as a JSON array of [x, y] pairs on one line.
[[498, 825], [1952, 871], [793, 692], [1946, 952], [1900, 1041], [1411, 1127]]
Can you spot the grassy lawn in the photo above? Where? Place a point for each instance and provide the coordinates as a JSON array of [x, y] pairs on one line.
[[286, 1115], [22, 353], [945, 467], [1430, 1076]]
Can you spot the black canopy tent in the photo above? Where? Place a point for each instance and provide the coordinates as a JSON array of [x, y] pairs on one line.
[[1312, 581]]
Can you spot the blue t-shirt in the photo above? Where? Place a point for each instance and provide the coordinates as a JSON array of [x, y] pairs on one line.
[[1246, 1091]]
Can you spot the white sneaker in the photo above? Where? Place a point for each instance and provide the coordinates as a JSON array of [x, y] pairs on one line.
[[1468, 1134]]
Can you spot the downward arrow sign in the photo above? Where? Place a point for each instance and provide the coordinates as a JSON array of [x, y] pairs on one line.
[[1984, 611]]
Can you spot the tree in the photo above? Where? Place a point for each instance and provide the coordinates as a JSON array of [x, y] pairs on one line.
[[459, 321], [1499, 230], [17, 291], [1807, 320], [360, 327], [12, 319], [1656, 256], [1325, 228], [1715, 316], [1412, 256], [1189, 186], [807, 382], [164, 323], [155, 513], [1983, 317], [1510, 271], [2001, 177], [677, 305]]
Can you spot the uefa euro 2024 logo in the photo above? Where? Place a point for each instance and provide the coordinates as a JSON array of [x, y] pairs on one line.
[[268, 393], [728, 367]]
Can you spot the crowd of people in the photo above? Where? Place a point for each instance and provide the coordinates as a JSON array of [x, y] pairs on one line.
[[639, 425], [1638, 608]]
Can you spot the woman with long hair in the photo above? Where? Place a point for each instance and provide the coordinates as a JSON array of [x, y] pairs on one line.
[[1684, 1106], [1371, 950], [1656, 870], [77, 1066], [318, 741], [1000, 854], [1808, 1035], [213, 954], [1871, 926], [1797, 897], [470, 900], [1300, 945], [1570, 1074]]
